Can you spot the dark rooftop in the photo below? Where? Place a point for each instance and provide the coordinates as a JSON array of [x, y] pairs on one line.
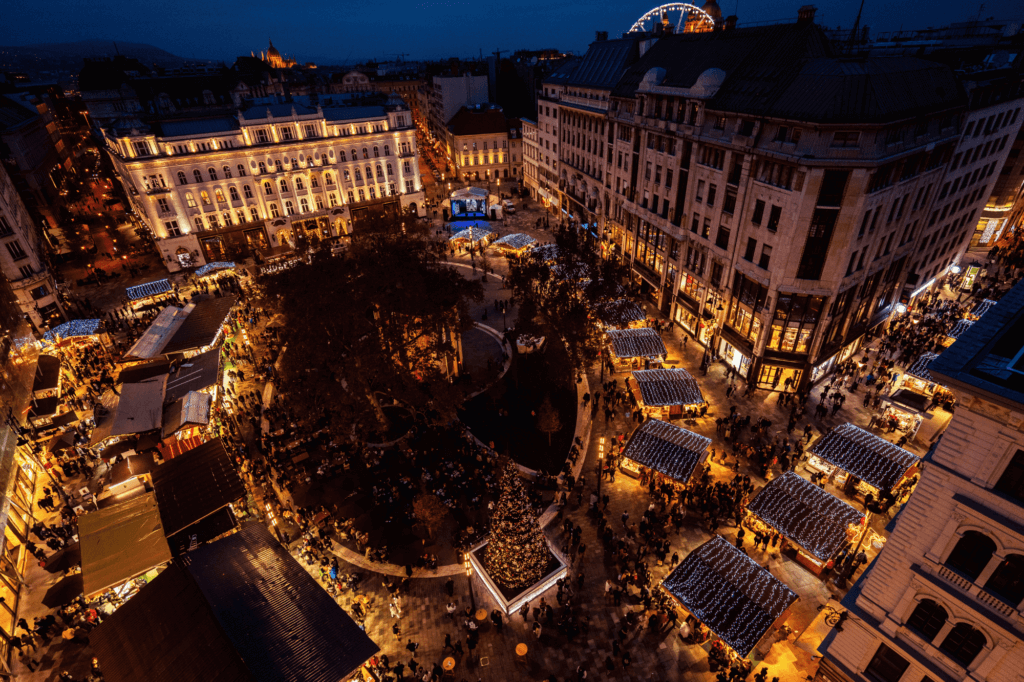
[[202, 324], [193, 374], [604, 63], [47, 373], [195, 484], [478, 120]]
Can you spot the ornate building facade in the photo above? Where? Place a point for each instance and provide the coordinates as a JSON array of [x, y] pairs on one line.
[[221, 187]]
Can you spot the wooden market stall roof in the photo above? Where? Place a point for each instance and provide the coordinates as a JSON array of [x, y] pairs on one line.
[[667, 449], [620, 313], [806, 514], [72, 329], [864, 455], [920, 367], [729, 592], [515, 241], [637, 343], [660, 387]]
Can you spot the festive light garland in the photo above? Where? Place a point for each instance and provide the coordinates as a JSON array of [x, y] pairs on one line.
[[806, 514], [214, 267], [72, 329], [667, 449], [620, 312], [517, 552], [516, 240], [546, 253], [957, 331], [148, 289], [982, 308], [472, 234], [637, 343], [729, 592], [920, 367], [660, 387], [864, 455]]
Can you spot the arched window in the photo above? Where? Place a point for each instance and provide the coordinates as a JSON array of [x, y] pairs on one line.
[[971, 554], [323, 159], [355, 155], [254, 213], [963, 643], [219, 194], [376, 152], [380, 172], [341, 155], [247, 191], [212, 172], [263, 168], [365, 153], [197, 175], [227, 171], [233, 193], [241, 170], [289, 208], [387, 150], [1007, 581], [284, 185], [182, 180], [298, 184], [204, 197], [304, 205], [927, 619], [390, 172], [274, 213], [199, 223], [268, 188], [369, 174], [328, 179], [359, 177], [190, 200]]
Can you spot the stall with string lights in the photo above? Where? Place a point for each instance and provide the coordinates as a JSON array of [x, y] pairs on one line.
[[980, 309], [815, 525], [472, 236], [673, 453], [636, 348], [667, 393], [621, 313], [75, 333], [215, 269], [860, 462], [956, 332], [727, 591], [149, 292], [515, 244]]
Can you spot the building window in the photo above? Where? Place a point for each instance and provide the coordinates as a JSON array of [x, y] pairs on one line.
[[190, 200], [304, 205], [172, 228], [971, 554], [254, 214], [774, 217], [284, 185], [406, 167], [886, 665], [846, 139], [712, 190], [310, 131], [387, 150], [197, 175], [233, 193], [141, 148], [227, 171], [927, 619], [963, 643], [162, 205], [274, 212], [766, 256], [241, 170], [219, 194], [286, 133], [341, 155], [247, 191], [390, 170], [182, 180], [204, 197], [298, 184], [751, 249], [758, 213], [366, 154], [289, 208], [261, 136], [1011, 483], [1007, 581], [722, 240], [409, 187], [199, 223]]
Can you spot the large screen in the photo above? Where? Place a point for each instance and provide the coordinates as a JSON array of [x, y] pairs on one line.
[[469, 208]]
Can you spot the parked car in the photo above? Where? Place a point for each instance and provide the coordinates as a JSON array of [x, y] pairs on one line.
[[507, 206]]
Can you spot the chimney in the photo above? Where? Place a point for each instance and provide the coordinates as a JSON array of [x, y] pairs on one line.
[[730, 22], [805, 15], [601, 36]]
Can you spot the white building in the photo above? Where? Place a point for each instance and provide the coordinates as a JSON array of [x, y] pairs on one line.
[[21, 259], [547, 134], [943, 601], [220, 187]]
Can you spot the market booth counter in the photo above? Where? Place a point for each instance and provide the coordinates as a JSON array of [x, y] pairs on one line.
[[815, 525], [860, 461], [738, 600], [667, 393], [666, 449], [636, 348]]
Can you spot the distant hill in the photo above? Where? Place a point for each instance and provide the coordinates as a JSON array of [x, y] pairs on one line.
[[68, 57]]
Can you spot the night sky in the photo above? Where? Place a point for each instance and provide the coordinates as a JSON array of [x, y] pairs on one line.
[[344, 32]]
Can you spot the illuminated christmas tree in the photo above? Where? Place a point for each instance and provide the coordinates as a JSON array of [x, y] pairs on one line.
[[517, 552]]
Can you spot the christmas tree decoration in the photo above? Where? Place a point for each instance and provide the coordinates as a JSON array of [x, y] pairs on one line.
[[517, 553]]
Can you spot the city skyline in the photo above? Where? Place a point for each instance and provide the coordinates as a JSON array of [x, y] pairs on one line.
[[420, 30]]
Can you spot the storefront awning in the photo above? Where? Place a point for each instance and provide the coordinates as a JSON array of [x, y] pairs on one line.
[[864, 455], [663, 387], [637, 343], [730, 593], [667, 449], [806, 514]]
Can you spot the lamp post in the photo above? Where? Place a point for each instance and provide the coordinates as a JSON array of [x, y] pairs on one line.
[[600, 467], [469, 578]]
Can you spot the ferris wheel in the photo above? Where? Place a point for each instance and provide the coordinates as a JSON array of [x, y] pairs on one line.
[[682, 9]]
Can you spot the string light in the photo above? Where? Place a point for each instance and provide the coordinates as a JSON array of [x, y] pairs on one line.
[[864, 455], [637, 343], [472, 234], [667, 449], [213, 267], [148, 289], [729, 592], [668, 387], [72, 329], [920, 367], [546, 253], [620, 312], [982, 308], [515, 241], [957, 331], [806, 514]]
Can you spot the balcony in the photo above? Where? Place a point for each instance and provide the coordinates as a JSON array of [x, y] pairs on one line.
[[964, 585]]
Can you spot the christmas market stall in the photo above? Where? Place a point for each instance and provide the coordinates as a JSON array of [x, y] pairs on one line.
[[860, 462], [956, 332], [636, 348], [548, 253], [191, 330], [621, 314], [150, 292], [814, 524], [515, 244], [916, 392], [77, 332], [46, 388], [730, 594], [666, 449], [667, 393], [466, 233], [215, 269]]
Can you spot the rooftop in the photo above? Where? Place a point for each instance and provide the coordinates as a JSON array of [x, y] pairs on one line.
[[195, 484], [482, 119], [667, 449]]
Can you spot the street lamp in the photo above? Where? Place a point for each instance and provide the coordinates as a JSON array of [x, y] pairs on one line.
[[469, 577], [600, 467]]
